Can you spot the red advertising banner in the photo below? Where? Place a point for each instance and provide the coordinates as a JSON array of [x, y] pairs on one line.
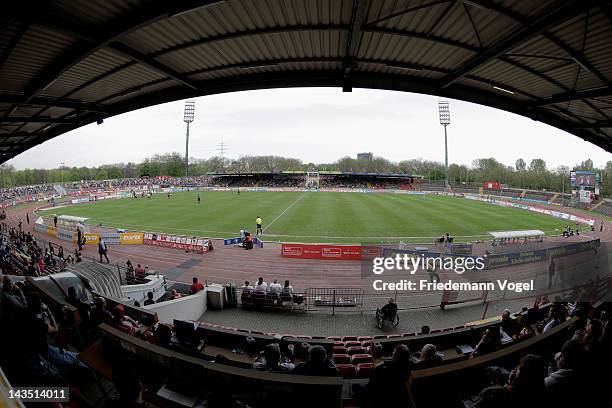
[[321, 251]]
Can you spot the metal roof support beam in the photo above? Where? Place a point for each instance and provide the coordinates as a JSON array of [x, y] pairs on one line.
[[149, 14], [34, 119], [575, 96], [157, 66], [559, 14], [358, 17], [405, 11], [52, 102]]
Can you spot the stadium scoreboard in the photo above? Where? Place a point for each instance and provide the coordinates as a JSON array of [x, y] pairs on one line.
[[584, 178]]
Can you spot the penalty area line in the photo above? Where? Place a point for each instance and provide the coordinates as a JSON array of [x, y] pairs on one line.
[[283, 213]]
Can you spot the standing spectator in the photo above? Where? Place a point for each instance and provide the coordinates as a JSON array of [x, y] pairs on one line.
[[195, 287], [55, 220], [551, 272], [28, 218], [103, 250]]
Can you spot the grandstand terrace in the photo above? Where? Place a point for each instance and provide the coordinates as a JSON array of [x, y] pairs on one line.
[[175, 320]]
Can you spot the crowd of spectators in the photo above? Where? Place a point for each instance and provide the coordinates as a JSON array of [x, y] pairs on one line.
[[22, 254], [24, 191]]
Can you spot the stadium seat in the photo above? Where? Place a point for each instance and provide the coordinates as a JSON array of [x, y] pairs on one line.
[[352, 343], [334, 338], [364, 369], [341, 359], [346, 370], [364, 338], [349, 338], [243, 330], [408, 334], [338, 343], [361, 358], [356, 350], [435, 331], [379, 336], [393, 336], [366, 343], [339, 350], [303, 337]]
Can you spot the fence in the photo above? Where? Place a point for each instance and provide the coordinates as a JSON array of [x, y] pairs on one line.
[[341, 299]]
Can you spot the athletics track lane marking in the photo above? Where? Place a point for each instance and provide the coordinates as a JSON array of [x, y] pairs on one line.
[[286, 209]]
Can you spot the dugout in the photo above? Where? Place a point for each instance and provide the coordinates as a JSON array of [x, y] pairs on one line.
[[526, 239], [71, 223]]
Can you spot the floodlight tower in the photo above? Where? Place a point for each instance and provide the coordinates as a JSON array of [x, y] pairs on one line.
[[444, 111], [188, 117]]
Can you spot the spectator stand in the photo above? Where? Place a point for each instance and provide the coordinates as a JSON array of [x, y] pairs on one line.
[[251, 299]]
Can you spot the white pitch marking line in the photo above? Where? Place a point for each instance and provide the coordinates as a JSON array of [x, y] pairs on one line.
[[286, 209]]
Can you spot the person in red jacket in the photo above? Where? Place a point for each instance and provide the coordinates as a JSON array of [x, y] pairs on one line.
[[195, 287]]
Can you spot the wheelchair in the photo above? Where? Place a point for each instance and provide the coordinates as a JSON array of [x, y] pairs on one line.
[[381, 318]]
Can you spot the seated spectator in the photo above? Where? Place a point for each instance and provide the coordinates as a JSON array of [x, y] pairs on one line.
[[195, 287], [589, 338], [261, 286], [41, 312], [526, 331], [563, 382], [526, 382], [270, 360], [275, 288], [149, 300], [247, 287], [100, 313], [127, 384], [508, 324], [387, 385], [83, 307], [140, 273], [287, 291], [389, 310], [174, 294], [317, 364], [490, 341], [554, 317], [425, 329], [124, 323], [428, 357], [13, 299], [493, 397]]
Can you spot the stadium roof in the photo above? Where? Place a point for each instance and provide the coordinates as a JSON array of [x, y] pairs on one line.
[[67, 63]]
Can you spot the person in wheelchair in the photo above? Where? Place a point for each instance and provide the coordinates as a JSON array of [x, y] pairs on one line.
[[389, 311]]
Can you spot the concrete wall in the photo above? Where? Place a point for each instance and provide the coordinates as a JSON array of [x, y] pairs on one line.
[[186, 308]]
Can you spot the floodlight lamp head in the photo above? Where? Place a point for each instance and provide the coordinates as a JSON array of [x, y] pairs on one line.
[[189, 115], [444, 109]]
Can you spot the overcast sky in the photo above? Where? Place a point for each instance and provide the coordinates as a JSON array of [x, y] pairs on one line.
[[318, 125]]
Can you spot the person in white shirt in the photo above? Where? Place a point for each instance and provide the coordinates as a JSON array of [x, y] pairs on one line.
[[275, 287], [261, 286], [247, 286]]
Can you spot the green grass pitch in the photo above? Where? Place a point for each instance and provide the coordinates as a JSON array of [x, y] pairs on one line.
[[312, 216]]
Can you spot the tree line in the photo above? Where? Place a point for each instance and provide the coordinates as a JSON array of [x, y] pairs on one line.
[[534, 175]]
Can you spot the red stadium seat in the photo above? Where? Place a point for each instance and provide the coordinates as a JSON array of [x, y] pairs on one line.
[[356, 350], [338, 343], [346, 370], [364, 338], [352, 343], [379, 336], [366, 343], [393, 336], [349, 338], [341, 359], [335, 338], [361, 358], [364, 369], [408, 334], [339, 350]]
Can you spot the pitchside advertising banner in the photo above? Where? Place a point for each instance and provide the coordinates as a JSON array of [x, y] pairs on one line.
[[321, 251], [175, 241]]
